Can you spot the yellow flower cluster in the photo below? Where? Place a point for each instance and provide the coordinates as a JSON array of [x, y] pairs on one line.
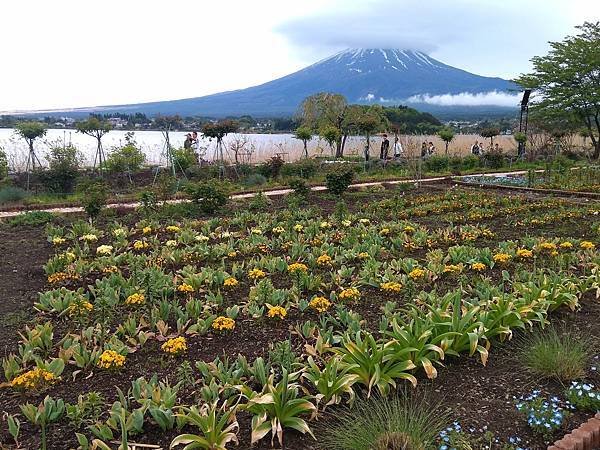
[[256, 231], [409, 230], [502, 258], [547, 247], [566, 245], [587, 245], [61, 276], [104, 250], [350, 294], [223, 323], [33, 379], [230, 282], [171, 243], [363, 255], [324, 260], [80, 308], [346, 223], [278, 230], [417, 273], [110, 359], [478, 266], [255, 274], [524, 253], [135, 299], [119, 232], [173, 229], [297, 267], [325, 225], [147, 230], [320, 304], [385, 231], [185, 288], [391, 286], [231, 254], [298, 227], [452, 268], [140, 245], [110, 269], [58, 240], [277, 312], [89, 238], [175, 346]]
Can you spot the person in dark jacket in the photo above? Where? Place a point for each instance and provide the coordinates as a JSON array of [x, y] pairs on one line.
[[187, 144], [385, 147]]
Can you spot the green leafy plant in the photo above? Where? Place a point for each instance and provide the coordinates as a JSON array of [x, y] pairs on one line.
[[94, 194], [218, 428], [47, 412], [210, 195], [332, 381], [338, 182]]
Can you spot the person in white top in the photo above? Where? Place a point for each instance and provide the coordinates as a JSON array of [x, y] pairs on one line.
[[398, 150]]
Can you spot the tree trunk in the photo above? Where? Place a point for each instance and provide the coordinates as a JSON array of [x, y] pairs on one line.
[[368, 147], [447, 147], [596, 149], [305, 149]]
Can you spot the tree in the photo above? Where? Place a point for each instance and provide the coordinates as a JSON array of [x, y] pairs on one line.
[[490, 133], [304, 134], [95, 128], [370, 120], [331, 134], [567, 80], [30, 131], [325, 111], [446, 135], [218, 130]]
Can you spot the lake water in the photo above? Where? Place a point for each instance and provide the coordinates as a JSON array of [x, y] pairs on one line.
[[258, 147]]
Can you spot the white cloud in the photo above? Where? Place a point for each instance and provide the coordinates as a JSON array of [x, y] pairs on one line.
[[493, 98]]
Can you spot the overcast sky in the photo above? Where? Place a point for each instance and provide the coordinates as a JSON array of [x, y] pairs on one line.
[[66, 53]]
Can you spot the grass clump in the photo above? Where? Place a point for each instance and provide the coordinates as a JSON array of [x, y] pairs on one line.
[[32, 218], [556, 354], [12, 194], [400, 422]]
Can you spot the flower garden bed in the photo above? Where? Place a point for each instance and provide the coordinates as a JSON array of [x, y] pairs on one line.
[[432, 289]]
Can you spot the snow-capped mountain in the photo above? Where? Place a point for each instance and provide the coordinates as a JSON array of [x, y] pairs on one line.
[[386, 76]]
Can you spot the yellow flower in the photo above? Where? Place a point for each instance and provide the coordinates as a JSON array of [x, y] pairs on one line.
[[136, 299], [201, 238], [502, 258], [231, 282], [147, 230], [276, 312], [89, 238], [119, 232], [110, 269], [324, 260], [566, 245], [186, 288], [297, 267], [391, 286], [524, 253], [140, 245], [325, 225], [547, 246], [364, 221], [80, 308], [111, 360], [452, 268], [587, 245], [478, 266], [255, 274], [223, 323], [104, 250], [278, 230], [171, 243], [384, 231], [321, 304], [33, 379], [346, 223], [59, 277], [416, 273], [298, 228], [363, 255], [256, 231], [58, 240], [350, 294], [173, 229], [409, 230], [175, 346], [231, 254]]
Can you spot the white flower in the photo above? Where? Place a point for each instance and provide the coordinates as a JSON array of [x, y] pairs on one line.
[[104, 250]]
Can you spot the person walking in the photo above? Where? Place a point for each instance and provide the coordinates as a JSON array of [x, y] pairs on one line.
[[385, 148], [475, 149], [398, 150]]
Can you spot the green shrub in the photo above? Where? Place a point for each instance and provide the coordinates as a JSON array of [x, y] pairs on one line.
[[555, 354], [401, 422], [255, 179], [209, 195], [338, 182], [32, 218], [271, 167], [64, 163], [259, 202], [11, 194], [306, 168], [436, 163], [184, 158], [299, 186], [3, 164], [94, 195], [128, 158], [494, 160]]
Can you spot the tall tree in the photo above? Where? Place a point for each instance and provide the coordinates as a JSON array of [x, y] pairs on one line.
[[322, 112], [95, 128], [30, 131], [567, 80], [370, 120], [304, 134]]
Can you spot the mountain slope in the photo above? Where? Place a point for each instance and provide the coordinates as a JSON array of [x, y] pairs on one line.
[[362, 75]]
